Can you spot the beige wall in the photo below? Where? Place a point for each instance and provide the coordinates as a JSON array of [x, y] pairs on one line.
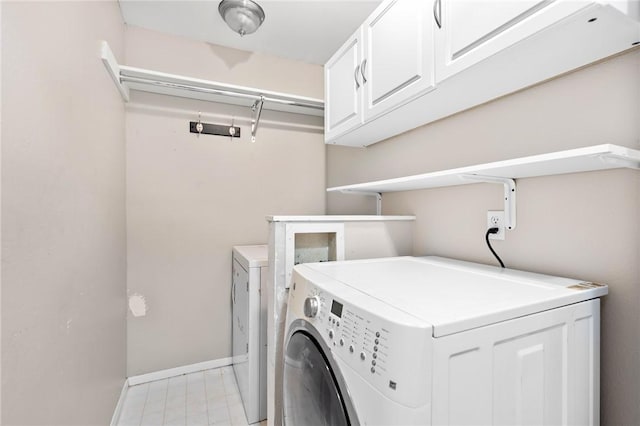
[[580, 225], [63, 215], [190, 199]]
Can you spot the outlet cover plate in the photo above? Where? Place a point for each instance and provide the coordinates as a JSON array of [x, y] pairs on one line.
[[495, 218]]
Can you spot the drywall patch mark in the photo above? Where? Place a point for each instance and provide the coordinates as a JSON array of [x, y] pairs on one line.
[[138, 305]]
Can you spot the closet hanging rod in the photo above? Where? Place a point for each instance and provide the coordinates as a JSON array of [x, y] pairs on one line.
[[128, 78], [200, 89]]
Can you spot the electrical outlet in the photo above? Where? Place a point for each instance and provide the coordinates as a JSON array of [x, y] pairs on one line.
[[495, 219]]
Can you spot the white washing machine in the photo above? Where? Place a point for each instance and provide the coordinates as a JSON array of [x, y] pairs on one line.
[[249, 329], [421, 341]]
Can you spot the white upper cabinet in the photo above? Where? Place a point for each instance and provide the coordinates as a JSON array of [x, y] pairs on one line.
[[386, 63], [470, 31], [398, 59], [342, 85], [416, 61]]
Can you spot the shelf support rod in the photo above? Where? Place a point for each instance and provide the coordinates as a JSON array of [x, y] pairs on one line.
[[378, 196], [255, 121], [509, 195]]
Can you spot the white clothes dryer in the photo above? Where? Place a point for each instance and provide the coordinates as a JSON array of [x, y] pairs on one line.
[[249, 328], [421, 341]]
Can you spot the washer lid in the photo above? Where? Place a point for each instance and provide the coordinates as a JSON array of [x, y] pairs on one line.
[[455, 296]]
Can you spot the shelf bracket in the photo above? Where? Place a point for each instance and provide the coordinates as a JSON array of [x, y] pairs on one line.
[[255, 120], [110, 63], [616, 162], [509, 195], [378, 196]]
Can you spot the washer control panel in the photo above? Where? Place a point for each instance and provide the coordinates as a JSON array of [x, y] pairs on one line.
[[359, 334]]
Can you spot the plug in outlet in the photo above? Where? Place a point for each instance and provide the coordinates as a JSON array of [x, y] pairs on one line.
[[495, 219]]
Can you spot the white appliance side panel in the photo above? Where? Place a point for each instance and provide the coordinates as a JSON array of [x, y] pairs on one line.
[[251, 395], [277, 295], [540, 369], [586, 406], [264, 272], [240, 331], [248, 353]]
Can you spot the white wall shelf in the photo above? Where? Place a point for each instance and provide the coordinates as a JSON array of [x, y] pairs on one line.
[[339, 218], [130, 78], [598, 157]]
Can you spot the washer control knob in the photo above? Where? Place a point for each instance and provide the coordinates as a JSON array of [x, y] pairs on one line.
[[311, 306], [330, 334], [362, 356]]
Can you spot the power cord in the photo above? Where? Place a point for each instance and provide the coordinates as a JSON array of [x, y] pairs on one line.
[[486, 237]]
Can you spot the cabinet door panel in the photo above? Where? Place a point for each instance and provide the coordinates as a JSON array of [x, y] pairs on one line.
[[473, 21], [343, 88], [540, 369], [399, 55], [473, 30]]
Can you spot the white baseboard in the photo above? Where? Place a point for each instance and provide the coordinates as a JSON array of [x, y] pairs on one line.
[[178, 371], [118, 410]]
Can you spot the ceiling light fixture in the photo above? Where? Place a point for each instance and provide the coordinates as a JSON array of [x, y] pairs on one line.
[[242, 16]]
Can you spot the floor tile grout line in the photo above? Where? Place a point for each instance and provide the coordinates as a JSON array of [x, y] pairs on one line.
[[206, 396], [226, 402], [186, 395], [166, 398], [144, 405]]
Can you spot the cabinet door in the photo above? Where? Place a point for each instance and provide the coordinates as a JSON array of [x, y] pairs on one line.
[[343, 87], [473, 30], [398, 58], [540, 369]]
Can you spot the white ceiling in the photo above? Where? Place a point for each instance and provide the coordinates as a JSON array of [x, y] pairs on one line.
[[306, 30]]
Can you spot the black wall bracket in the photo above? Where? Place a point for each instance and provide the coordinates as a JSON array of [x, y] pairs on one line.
[[214, 129]]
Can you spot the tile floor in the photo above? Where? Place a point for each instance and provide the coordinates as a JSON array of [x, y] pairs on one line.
[[208, 397]]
